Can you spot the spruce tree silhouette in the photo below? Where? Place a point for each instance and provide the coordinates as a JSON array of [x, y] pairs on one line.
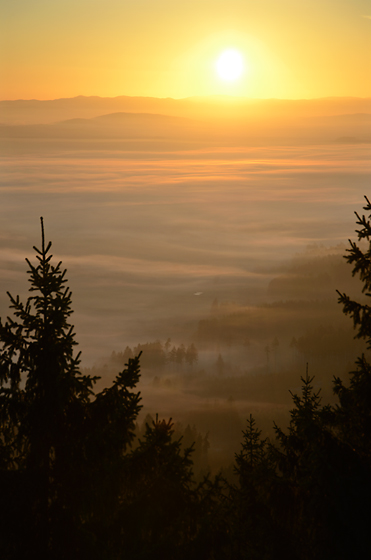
[[251, 514], [41, 386], [351, 419], [309, 493], [57, 437], [354, 412], [161, 497]]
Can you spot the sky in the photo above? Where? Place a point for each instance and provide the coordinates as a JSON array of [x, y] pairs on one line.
[[290, 49]]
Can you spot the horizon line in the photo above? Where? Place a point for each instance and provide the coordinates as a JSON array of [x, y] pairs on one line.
[[190, 98]]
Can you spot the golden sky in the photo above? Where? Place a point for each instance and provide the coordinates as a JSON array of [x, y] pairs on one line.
[[168, 48]]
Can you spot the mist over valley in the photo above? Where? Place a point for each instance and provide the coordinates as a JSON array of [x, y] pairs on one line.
[[213, 222]]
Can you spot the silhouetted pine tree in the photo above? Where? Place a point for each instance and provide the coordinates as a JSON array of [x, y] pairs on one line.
[[318, 483], [354, 412], [251, 513], [108, 433], [59, 443], [42, 394], [159, 499], [313, 501], [351, 419], [300, 460]]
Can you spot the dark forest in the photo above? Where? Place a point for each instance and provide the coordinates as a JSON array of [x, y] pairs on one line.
[[80, 479]]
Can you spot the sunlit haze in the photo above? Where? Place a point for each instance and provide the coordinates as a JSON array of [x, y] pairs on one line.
[[168, 49]]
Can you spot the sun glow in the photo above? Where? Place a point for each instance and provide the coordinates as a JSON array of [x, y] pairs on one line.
[[230, 65]]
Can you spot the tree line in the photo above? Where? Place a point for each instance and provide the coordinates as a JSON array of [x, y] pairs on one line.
[[157, 355], [73, 485]]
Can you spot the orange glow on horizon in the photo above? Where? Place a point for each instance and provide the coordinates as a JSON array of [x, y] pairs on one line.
[[166, 50]]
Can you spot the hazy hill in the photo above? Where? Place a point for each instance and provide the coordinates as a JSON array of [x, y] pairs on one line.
[[268, 130], [217, 107], [114, 125]]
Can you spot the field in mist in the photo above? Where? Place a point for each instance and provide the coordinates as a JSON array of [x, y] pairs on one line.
[[225, 235]]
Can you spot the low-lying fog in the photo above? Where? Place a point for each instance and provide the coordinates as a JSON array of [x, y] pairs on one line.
[[234, 249]]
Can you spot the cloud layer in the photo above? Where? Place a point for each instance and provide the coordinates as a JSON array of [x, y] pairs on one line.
[[140, 231]]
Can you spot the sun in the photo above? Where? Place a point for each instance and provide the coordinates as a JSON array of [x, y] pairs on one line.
[[230, 65]]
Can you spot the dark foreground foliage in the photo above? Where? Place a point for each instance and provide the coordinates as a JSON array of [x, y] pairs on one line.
[[72, 486]]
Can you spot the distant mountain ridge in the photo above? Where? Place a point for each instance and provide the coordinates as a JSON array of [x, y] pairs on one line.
[[223, 120], [26, 112], [348, 128], [112, 125]]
